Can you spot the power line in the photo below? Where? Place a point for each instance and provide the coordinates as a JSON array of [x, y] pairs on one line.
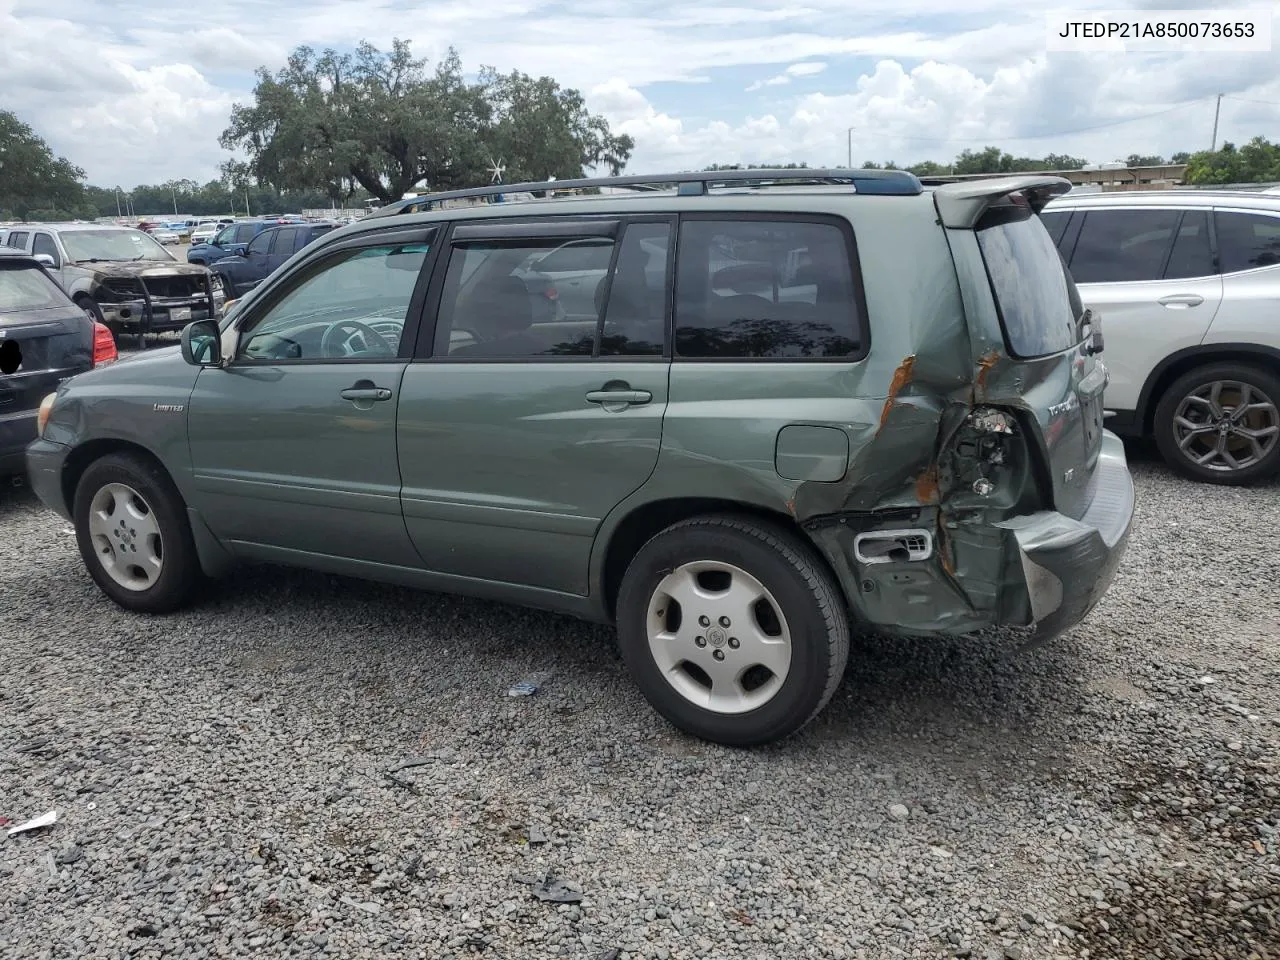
[[1051, 136], [1265, 103]]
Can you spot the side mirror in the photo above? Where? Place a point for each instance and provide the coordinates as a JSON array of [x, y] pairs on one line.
[[201, 345], [48, 261]]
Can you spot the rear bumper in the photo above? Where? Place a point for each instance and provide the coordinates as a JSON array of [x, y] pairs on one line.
[[45, 460], [16, 431], [1068, 564]]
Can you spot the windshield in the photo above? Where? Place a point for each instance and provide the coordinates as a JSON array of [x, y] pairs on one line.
[[84, 245], [25, 288]]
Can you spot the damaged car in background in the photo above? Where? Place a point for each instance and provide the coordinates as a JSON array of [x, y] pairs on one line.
[[796, 404], [124, 278]]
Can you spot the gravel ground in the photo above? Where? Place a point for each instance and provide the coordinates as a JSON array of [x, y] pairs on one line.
[[223, 786]]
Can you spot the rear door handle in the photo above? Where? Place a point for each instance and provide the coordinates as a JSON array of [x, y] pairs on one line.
[[1181, 300], [619, 396], [366, 393]]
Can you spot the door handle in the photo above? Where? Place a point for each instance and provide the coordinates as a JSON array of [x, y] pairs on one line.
[[366, 393], [619, 396], [1181, 300]]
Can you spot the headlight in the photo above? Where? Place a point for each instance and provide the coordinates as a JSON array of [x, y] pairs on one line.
[[46, 408]]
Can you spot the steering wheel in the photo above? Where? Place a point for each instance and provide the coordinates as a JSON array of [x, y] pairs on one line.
[[372, 342]]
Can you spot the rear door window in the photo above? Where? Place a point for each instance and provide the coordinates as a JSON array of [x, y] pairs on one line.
[[766, 289], [1123, 246], [1247, 241], [1191, 255], [18, 239], [1032, 289]]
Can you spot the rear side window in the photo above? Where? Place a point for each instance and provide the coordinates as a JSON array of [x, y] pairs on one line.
[[766, 289], [1123, 246], [1029, 280], [1247, 241], [26, 288], [18, 239]]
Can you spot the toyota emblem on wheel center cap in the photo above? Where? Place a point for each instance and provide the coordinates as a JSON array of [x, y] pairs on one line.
[[716, 637]]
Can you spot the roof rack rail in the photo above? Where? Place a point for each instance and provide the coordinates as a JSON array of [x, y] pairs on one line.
[[879, 182]]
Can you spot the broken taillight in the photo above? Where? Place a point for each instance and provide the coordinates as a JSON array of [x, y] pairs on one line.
[[104, 345]]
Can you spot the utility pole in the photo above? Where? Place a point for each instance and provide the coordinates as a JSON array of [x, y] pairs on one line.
[[1216, 110], [118, 213], [174, 193], [851, 148]]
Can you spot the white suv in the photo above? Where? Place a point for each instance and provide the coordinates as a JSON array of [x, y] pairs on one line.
[[1186, 284]]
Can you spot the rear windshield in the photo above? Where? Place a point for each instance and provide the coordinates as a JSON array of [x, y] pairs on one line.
[[1038, 304], [26, 288]]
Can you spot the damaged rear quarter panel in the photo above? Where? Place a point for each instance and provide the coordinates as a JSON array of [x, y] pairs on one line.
[[723, 419]]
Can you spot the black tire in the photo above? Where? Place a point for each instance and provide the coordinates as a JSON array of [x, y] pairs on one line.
[[180, 573], [1164, 427], [90, 307], [810, 601]]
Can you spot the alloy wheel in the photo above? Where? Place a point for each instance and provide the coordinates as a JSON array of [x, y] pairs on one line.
[[1226, 425], [126, 536], [718, 637]]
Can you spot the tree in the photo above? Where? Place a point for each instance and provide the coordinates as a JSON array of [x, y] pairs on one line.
[[1063, 161], [1139, 160], [1256, 162], [928, 169], [34, 181], [384, 122]]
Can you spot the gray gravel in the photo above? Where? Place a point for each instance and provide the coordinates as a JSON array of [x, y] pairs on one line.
[[308, 766]]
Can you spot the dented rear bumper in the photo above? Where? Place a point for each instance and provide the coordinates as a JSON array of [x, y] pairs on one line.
[[1044, 569], [1067, 565]]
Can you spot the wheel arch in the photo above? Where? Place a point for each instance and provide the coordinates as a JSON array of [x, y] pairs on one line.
[[1176, 364], [631, 531], [85, 454]]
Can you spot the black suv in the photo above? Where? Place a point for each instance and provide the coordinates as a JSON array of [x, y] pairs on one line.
[[269, 249]]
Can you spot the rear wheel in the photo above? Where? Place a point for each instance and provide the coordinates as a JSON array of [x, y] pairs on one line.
[[1220, 423], [733, 629], [132, 530]]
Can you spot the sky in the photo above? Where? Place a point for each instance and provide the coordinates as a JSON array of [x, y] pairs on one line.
[[137, 91]]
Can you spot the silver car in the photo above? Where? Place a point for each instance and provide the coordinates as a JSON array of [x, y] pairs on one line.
[[1187, 287]]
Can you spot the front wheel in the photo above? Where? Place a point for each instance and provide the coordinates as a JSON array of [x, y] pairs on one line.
[[733, 629], [1220, 423], [133, 534]]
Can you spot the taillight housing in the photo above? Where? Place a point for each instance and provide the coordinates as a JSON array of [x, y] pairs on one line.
[[104, 345]]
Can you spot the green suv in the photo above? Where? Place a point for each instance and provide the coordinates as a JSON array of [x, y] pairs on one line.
[[738, 414]]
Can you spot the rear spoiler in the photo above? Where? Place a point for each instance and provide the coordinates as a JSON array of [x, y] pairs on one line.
[[961, 205]]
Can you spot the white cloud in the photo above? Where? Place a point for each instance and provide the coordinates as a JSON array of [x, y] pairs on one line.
[[135, 91]]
